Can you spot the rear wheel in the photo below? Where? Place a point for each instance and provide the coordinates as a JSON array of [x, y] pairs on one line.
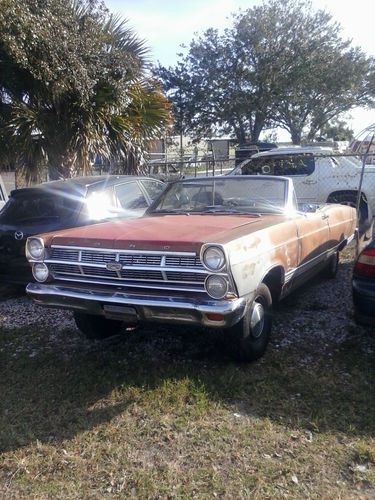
[[248, 339], [97, 327], [332, 266]]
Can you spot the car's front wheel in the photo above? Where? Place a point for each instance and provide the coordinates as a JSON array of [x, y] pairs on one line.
[[248, 339], [97, 327]]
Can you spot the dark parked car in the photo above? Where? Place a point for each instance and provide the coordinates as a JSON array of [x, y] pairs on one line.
[[364, 285], [63, 204]]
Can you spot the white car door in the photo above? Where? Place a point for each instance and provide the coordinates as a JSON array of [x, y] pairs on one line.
[[305, 177]]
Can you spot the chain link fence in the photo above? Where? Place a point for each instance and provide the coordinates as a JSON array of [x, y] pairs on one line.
[[320, 175], [205, 165]]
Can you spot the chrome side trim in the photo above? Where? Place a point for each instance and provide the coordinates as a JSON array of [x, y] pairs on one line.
[[350, 238]]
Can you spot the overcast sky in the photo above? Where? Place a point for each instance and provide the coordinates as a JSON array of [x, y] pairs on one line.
[[166, 24]]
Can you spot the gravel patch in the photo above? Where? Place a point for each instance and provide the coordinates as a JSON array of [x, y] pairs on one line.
[[315, 321], [21, 312]]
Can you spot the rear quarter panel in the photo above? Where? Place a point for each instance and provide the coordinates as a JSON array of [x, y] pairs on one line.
[[342, 221], [252, 256]]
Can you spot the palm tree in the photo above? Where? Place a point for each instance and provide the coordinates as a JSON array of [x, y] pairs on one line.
[[109, 106]]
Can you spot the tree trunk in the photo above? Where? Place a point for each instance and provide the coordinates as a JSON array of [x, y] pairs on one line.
[[312, 133], [295, 136], [61, 166], [239, 130], [241, 136], [258, 127]]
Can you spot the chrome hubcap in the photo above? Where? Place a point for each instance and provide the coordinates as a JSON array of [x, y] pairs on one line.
[[257, 320]]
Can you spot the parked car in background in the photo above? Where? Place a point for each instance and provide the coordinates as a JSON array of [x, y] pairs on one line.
[[319, 176], [246, 150], [3, 194], [164, 171], [62, 204], [363, 285], [214, 251]]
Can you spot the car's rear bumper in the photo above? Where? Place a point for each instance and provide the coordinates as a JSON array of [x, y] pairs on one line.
[[364, 300], [139, 307]]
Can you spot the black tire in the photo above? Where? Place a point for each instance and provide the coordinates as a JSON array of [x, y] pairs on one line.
[[332, 266], [97, 327], [248, 342]]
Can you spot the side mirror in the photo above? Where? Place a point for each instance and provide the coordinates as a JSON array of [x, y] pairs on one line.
[[309, 207]]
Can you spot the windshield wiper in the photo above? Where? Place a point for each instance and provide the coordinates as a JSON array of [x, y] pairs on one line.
[[170, 211], [214, 209]]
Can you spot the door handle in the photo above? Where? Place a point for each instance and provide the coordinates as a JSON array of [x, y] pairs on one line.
[[309, 181], [325, 216]]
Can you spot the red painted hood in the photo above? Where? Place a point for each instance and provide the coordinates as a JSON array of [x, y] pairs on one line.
[[178, 232]]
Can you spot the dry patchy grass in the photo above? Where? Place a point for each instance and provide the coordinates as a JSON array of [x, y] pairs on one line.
[[163, 413]]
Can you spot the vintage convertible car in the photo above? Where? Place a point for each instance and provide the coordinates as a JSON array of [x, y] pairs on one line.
[[210, 251]]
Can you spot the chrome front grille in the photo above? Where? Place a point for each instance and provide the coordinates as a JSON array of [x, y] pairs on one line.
[[178, 261], [140, 260], [141, 274], [64, 254], [97, 258], [177, 276], [65, 268], [142, 269], [98, 271]]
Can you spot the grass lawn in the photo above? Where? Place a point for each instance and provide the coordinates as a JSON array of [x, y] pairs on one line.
[[163, 413]]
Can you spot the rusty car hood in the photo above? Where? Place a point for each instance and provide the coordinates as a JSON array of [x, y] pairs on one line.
[[178, 232]]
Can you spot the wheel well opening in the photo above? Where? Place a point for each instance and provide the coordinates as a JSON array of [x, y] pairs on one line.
[[346, 195], [350, 197], [274, 280]]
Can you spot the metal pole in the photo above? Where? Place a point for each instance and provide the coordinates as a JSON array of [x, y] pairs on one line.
[[364, 158]]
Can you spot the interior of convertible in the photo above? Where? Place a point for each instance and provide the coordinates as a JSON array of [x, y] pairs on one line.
[[244, 195]]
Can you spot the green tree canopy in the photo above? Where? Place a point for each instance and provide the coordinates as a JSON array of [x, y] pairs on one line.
[[280, 64], [337, 130], [74, 83]]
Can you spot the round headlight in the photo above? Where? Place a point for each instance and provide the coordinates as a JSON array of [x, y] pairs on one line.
[[40, 272], [214, 258], [35, 248], [216, 286]]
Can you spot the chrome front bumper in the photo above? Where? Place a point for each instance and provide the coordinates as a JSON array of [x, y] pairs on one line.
[[138, 307]]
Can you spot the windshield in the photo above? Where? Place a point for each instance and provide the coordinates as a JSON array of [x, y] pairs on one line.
[[35, 206], [250, 195], [292, 164]]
